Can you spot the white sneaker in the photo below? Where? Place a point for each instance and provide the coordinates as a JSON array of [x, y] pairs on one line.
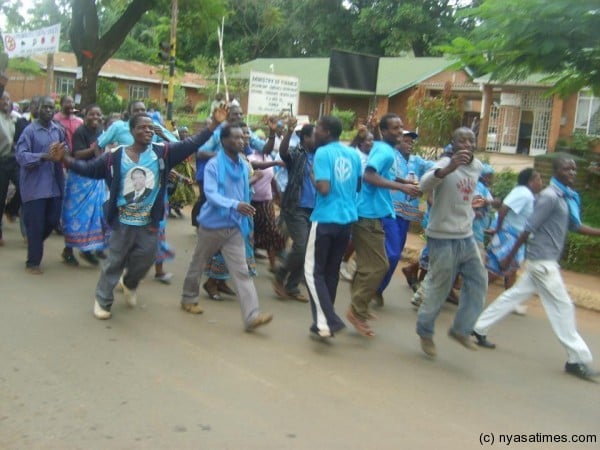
[[99, 312], [520, 310], [346, 272], [130, 296]]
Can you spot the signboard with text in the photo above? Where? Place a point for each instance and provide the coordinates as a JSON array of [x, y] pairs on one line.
[[27, 43], [269, 93]]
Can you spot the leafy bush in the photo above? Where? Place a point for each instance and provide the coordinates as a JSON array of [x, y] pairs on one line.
[[582, 253], [202, 109], [504, 182], [348, 117], [107, 97], [435, 117]]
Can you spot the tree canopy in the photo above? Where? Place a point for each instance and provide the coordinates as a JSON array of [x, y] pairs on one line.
[[132, 29], [514, 39]]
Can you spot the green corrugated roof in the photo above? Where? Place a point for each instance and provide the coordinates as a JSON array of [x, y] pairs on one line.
[[395, 74], [535, 79]]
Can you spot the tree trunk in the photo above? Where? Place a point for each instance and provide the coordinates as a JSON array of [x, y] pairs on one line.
[[91, 50], [86, 86]]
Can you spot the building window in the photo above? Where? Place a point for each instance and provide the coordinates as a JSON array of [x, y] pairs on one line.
[[65, 86], [587, 118], [137, 92]]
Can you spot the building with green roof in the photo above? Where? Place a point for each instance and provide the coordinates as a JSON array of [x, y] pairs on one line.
[[398, 78]]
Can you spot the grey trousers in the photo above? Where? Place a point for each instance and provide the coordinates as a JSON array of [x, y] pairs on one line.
[[231, 244], [130, 248]]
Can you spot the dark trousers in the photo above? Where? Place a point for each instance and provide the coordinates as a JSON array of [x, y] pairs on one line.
[[9, 171], [131, 249], [196, 208], [41, 217], [325, 249], [297, 221]]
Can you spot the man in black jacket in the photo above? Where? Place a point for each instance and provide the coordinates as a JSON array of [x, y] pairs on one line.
[[133, 239]]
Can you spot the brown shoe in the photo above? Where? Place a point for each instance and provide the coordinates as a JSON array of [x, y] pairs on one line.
[[465, 341], [410, 273], [428, 346], [361, 325], [298, 296], [211, 289], [279, 289], [453, 297], [222, 287], [192, 308], [260, 320], [34, 270]]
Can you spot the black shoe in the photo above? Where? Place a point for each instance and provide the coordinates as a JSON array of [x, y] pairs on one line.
[[581, 370], [482, 340], [89, 258], [69, 259]]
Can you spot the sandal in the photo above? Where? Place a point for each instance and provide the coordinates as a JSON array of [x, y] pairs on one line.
[[212, 291], [298, 296], [164, 278], [361, 325]]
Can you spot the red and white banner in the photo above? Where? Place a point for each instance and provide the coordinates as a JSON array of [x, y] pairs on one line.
[[27, 43]]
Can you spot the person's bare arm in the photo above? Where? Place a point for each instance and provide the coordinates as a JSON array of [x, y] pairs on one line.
[[372, 177]]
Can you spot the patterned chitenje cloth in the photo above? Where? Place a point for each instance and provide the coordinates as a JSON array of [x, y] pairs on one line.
[[499, 248], [216, 268], [82, 214], [266, 232], [182, 194], [164, 252]]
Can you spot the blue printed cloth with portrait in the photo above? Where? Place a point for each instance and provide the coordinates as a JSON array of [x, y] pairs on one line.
[[139, 188]]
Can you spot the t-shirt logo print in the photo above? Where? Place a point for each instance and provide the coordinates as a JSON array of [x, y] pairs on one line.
[[343, 169], [466, 186]]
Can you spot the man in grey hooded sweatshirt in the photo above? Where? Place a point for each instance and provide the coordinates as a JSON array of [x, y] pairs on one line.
[[452, 247]]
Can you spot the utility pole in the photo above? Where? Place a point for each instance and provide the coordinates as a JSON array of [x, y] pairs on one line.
[[171, 89]]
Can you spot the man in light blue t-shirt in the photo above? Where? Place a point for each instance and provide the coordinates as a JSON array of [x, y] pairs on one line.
[[374, 204], [336, 174]]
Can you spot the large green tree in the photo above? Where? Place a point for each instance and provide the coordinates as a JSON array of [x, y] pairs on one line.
[[98, 28], [392, 27], [515, 38]]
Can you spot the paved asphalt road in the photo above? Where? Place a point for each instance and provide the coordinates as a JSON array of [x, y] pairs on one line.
[[158, 378]]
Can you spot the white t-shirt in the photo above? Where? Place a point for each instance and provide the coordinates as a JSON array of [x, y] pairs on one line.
[[520, 206]]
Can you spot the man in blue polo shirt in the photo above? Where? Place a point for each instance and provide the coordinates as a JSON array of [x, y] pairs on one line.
[[374, 204], [336, 172]]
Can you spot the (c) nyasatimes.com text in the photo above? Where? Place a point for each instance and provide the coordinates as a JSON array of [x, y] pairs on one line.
[[541, 438]]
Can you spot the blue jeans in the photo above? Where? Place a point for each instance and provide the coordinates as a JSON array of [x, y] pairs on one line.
[[395, 230], [447, 259]]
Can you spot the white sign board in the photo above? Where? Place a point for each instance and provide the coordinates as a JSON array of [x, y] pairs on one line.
[[510, 99], [271, 94], [27, 43]]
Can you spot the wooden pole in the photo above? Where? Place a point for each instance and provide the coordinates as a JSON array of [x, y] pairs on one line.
[[50, 73], [171, 89]]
